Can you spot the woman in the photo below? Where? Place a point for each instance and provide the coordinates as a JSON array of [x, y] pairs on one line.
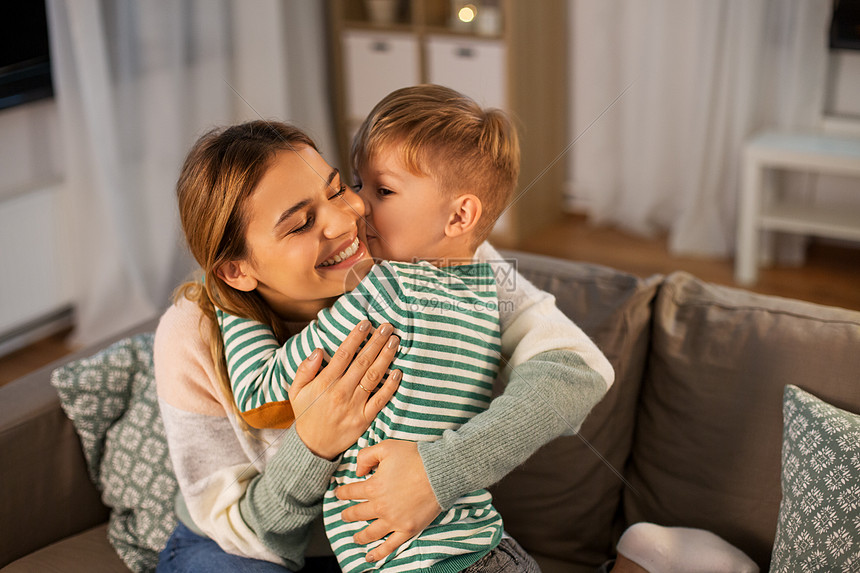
[[248, 497]]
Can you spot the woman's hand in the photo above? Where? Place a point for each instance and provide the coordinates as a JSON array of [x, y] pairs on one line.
[[399, 498], [333, 408]]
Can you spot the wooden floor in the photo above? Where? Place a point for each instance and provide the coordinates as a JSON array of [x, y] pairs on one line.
[[831, 275]]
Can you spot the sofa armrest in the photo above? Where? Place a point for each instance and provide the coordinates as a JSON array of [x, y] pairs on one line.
[[46, 492]]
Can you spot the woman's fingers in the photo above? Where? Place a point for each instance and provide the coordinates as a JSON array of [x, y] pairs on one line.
[[306, 371], [378, 401], [369, 367], [373, 532], [362, 511], [394, 541], [346, 351], [377, 369]]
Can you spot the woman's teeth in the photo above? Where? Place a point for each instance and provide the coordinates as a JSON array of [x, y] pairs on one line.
[[344, 254]]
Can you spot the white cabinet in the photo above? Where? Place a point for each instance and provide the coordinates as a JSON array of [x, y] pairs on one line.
[[512, 56], [472, 66], [375, 64]]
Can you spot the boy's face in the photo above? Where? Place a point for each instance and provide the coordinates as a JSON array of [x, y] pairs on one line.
[[406, 213]]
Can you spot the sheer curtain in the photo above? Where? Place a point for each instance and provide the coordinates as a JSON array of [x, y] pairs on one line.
[[702, 76], [137, 81]]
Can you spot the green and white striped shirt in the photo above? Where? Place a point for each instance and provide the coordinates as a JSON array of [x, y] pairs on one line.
[[449, 352]]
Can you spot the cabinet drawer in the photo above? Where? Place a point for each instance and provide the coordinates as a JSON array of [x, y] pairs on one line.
[[377, 64], [472, 66]]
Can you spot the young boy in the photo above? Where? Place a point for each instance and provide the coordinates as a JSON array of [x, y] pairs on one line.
[[428, 155]]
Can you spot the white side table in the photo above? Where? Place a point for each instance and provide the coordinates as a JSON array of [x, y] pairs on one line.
[[760, 210]]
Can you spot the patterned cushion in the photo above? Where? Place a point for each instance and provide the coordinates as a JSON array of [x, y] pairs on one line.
[[110, 398], [819, 518]]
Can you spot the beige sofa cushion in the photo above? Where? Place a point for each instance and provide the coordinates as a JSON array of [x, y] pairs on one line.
[[87, 552], [563, 504], [708, 438]]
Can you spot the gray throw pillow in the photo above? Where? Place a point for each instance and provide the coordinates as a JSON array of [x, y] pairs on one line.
[[110, 398], [819, 517]]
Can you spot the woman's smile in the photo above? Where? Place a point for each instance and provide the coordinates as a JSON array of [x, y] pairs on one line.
[[345, 257]]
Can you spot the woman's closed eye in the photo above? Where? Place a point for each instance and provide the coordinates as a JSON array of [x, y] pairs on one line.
[[339, 192], [309, 222]]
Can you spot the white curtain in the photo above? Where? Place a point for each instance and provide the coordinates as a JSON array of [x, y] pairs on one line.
[[701, 76], [137, 82]]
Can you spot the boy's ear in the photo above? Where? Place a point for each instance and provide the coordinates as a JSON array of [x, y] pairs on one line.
[[233, 273], [465, 213]]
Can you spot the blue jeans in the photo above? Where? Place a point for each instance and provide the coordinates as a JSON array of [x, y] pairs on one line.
[[187, 552]]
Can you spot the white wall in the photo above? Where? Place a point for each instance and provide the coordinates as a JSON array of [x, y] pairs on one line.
[[37, 279], [842, 115], [844, 89], [30, 147]]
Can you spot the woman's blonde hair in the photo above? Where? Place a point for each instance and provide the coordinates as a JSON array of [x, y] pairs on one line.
[[220, 173], [446, 135]]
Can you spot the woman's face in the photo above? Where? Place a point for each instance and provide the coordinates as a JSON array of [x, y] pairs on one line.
[[305, 235]]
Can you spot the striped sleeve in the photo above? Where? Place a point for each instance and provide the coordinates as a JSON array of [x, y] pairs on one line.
[[261, 370]]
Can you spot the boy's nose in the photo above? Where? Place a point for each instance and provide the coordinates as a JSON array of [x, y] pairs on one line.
[[368, 209]]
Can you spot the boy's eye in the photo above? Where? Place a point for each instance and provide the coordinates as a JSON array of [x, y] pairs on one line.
[[383, 192]]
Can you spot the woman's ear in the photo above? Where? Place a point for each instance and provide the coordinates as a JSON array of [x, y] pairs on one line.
[[233, 273], [465, 213]]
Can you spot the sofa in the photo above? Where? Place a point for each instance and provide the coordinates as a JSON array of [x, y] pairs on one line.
[[694, 432]]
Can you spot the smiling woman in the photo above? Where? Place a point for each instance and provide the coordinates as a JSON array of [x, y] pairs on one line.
[[263, 214]]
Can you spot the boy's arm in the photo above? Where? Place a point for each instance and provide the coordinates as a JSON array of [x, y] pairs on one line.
[[555, 373], [260, 370]]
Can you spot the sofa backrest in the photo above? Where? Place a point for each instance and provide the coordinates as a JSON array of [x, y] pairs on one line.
[[563, 505], [708, 435]]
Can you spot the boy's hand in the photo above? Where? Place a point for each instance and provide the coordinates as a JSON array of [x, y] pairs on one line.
[[398, 496]]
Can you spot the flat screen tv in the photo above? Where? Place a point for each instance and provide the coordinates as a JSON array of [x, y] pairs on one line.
[[25, 59], [845, 26]]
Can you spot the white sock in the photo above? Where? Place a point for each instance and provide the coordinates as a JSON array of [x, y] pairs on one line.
[[674, 549]]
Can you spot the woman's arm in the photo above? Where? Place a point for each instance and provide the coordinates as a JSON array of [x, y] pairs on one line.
[[231, 494], [260, 515], [546, 396]]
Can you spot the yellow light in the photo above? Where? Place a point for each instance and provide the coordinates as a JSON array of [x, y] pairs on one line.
[[467, 13]]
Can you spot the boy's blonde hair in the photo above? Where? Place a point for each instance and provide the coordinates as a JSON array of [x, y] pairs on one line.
[[445, 135]]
